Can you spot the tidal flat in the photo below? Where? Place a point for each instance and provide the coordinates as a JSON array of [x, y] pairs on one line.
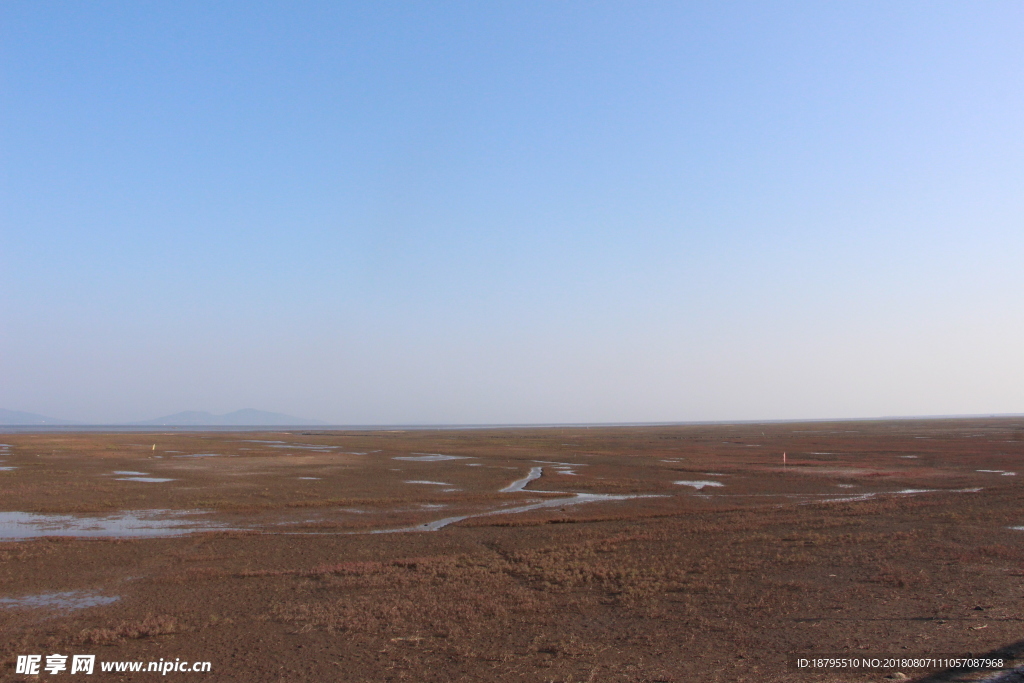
[[570, 554]]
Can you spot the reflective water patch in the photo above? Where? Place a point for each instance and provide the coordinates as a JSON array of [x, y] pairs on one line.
[[69, 600], [430, 457], [136, 524], [698, 484], [520, 484]]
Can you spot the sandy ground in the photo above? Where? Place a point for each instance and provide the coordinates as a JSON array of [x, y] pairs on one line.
[[685, 553]]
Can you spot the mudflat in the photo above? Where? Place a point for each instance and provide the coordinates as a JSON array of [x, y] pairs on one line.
[[662, 553]]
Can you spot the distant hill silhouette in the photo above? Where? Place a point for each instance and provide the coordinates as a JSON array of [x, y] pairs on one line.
[[13, 418], [247, 417]]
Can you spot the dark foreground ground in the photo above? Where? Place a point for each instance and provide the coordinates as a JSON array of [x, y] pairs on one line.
[[876, 539]]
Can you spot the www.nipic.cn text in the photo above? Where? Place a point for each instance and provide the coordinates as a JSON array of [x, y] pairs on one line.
[[33, 665]]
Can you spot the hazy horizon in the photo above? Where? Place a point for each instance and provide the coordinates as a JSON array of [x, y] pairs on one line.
[[512, 213], [298, 421]]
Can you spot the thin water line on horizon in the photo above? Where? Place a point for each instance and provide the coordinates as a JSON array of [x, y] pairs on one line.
[[119, 428]]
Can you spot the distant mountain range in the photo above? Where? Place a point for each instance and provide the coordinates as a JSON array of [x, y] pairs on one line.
[[246, 417]]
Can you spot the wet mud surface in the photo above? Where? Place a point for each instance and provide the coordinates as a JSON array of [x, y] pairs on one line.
[[676, 553]]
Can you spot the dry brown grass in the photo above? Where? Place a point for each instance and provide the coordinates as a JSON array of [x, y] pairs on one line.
[[685, 588], [149, 627], [440, 597]]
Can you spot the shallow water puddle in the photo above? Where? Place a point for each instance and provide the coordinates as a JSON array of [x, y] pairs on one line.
[[136, 524], [430, 457], [913, 491], [68, 600], [848, 499], [831, 498], [1002, 472], [316, 478], [7, 468], [151, 480], [437, 483], [520, 484], [698, 484], [131, 473]]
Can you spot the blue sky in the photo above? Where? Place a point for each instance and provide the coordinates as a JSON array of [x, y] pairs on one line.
[[372, 213]]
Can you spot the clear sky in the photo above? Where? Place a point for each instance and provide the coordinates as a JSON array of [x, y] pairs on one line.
[[508, 212]]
